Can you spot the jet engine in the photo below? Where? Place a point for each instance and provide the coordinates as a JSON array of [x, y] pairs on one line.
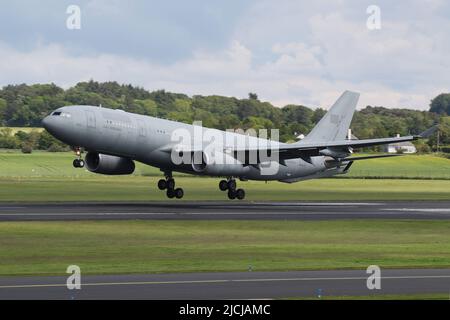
[[110, 165], [221, 165]]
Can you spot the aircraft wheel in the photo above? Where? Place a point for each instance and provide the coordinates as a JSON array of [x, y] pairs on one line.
[[76, 163], [162, 184], [232, 185], [171, 183], [240, 194], [170, 193], [223, 185], [179, 193], [231, 194], [81, 163]]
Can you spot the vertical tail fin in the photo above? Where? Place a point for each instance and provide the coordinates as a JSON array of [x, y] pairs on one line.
[[335, 123]]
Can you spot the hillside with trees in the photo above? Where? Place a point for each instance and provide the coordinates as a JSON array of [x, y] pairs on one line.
[[26, 105]]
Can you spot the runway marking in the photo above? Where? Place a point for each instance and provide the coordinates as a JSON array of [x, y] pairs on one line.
[[257, 205], [186, 213], [319, 204], [434, 210], [95, 284]]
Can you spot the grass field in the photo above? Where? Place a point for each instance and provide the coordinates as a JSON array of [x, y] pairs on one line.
[[50, 164], [107, 247], [46, 164], [144, 189], [24, 129], [407, 166], [44, 176]]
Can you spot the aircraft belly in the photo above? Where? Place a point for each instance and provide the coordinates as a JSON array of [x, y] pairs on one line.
[[291, 169]]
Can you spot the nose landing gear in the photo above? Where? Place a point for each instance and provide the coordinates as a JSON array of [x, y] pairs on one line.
[[230, 185], [78, 163], [168, 184]]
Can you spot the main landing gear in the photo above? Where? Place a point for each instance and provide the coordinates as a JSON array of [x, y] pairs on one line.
[[168, 184], [230, 185], [79, 162]]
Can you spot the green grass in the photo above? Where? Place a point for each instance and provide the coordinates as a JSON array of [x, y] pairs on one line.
[[46, 164], [407, 166], [144, 189], [24, 129], [110, 247], [50, 164], [44, 176]]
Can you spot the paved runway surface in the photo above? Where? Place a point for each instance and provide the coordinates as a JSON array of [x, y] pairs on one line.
[[176, 210], [248, 285]]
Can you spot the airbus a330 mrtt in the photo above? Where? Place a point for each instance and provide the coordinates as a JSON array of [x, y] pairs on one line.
[[114, 139]]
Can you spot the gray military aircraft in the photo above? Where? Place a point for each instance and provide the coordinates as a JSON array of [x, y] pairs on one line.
[[114, 139]]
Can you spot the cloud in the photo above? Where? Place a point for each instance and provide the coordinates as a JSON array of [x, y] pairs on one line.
[[229, 73], [160, 31], [287, 52], [402, 65]]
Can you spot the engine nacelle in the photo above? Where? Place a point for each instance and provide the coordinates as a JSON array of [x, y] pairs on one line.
[[110, 165], [221, 165]]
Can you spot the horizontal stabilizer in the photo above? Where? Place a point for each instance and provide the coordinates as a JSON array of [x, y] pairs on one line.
[[429, 132], [349, 160]]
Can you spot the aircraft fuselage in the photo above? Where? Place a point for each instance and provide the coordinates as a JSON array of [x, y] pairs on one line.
[[146, 139]]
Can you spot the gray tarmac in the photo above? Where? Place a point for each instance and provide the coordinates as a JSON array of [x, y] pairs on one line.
[[182, 210], [241, 285]]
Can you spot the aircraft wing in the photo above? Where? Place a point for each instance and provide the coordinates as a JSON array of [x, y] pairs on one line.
[[332, 148], [338, 149], [357, 143], [335, 148], [303, 150]]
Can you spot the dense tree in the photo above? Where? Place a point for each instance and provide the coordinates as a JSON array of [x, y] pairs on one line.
[[253, 96], [8, 140], [441, 104], [299, 115], [3, 106], [26, 105]]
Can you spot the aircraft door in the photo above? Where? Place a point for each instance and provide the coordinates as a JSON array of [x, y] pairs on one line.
[[141, 134], [90, 117], [142, 131]]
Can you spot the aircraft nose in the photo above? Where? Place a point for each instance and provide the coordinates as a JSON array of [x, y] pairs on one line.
[[53, 125], [49, 124], [59, 125]]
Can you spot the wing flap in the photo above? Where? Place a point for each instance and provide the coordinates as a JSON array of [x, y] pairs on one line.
[[371, 157]]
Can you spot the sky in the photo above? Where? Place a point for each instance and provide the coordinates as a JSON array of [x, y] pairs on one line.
[[286, 51]]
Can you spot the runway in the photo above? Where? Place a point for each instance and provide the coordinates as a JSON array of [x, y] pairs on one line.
[[181, 210], [243, 285]]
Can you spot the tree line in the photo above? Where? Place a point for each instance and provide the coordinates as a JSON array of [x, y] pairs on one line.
[[26, 105]]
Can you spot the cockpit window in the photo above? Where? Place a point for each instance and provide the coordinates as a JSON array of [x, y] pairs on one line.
[[62, 114]]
